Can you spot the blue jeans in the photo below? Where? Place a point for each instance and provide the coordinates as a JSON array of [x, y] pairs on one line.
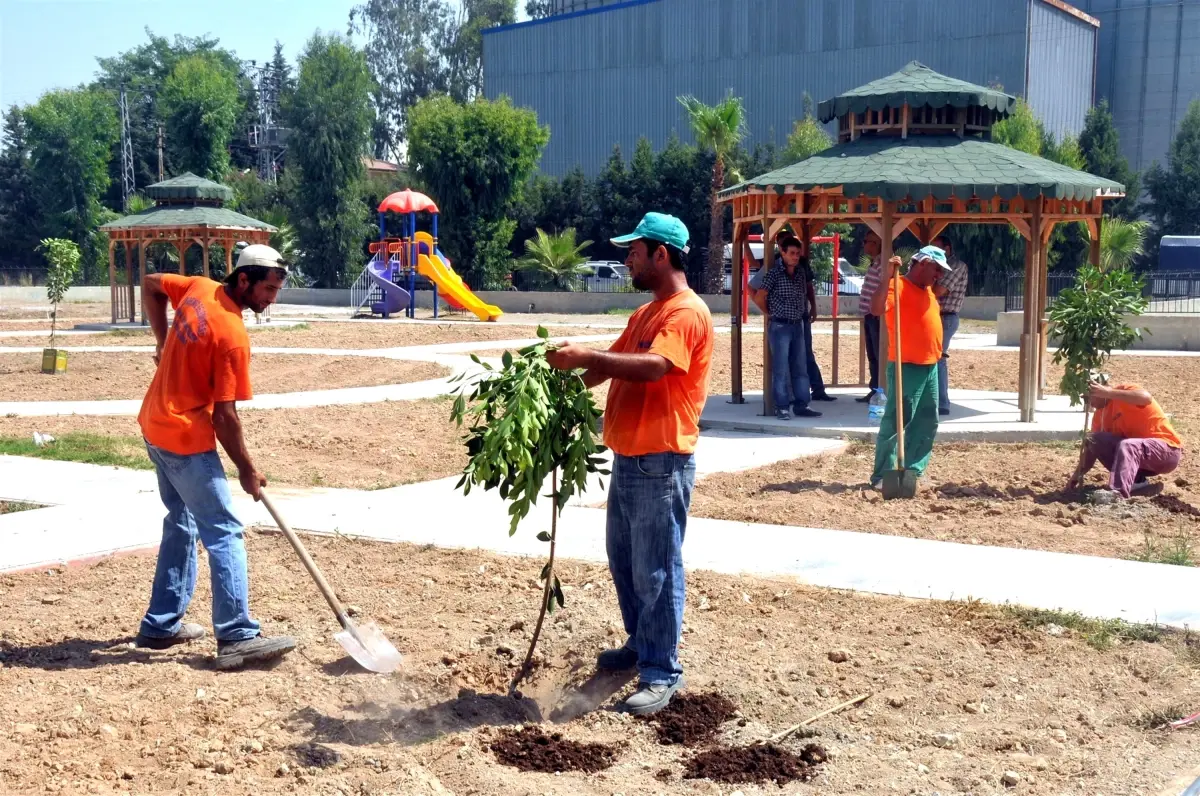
[[648, 502], [789, 363], [949, 327], [199, 505], [814, 371]]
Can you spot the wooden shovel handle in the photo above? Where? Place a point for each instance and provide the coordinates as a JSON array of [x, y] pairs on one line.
[[309, 564], [899, 378]]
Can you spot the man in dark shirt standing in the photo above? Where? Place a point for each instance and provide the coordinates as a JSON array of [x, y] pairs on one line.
[[787, 297]]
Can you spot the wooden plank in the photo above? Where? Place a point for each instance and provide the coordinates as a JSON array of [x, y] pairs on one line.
[[937, 227], [885, 254], [113, 293], [1021, 226], [738, 250], [767, 262], [899, 226], [874, 225], [906, 110], [1094, 249]]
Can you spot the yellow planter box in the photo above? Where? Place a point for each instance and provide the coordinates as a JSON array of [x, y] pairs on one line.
[[54, 360]]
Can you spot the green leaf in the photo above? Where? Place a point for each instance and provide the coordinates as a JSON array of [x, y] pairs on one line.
[[543, 536], [543, 332]]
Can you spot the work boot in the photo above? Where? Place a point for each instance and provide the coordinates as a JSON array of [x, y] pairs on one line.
[[824, 396], [185, 633], [804, 411], [1140, 486], [617, 660], [651, 697], [236, 654]]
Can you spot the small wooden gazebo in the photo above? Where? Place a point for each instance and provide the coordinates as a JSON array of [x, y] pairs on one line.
[[187, 212], [915, 153]]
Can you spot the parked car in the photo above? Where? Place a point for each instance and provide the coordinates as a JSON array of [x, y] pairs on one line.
[[849, 281], [606, 276]]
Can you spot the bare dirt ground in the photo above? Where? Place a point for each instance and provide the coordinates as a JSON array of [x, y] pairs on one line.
[[368, 446], [102, 376], [961, 695], [70, 311]]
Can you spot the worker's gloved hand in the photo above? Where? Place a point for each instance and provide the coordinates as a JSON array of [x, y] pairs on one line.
[[252, 482]]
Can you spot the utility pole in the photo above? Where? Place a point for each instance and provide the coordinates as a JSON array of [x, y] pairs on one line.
[[160, 150], [127, 177]]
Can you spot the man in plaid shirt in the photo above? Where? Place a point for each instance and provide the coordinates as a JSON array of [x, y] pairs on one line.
[[872, 247], [951, 290]]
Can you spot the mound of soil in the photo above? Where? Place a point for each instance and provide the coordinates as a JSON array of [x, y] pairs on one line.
[[757, 763], [691, 719], [1175, 505], [531, 749]]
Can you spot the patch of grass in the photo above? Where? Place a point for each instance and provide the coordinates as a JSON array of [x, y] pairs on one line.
[[618, 311], [111, 451], [1100, 634], [1159, 718], [13, 506], [129, 332], [1177, 550], [300, 327]]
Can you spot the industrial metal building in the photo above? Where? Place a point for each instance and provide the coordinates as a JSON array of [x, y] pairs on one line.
[[601, 73]]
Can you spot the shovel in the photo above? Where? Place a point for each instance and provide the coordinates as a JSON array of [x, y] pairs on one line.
[[901, 482], [366, 644]]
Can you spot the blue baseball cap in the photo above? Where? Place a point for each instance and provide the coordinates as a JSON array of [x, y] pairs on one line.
[[935, 254], [658, 226]]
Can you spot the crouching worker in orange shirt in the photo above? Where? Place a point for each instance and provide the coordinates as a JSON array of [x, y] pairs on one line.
[[203, 370], [1130, 436]]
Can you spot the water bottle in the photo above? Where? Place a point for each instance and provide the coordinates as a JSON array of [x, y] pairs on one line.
[[875, 407]]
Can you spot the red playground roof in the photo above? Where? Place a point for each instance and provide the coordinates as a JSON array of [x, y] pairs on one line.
[[407, 201]]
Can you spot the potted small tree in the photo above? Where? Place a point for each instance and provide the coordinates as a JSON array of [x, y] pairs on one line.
[[528, 423], [63, 257]]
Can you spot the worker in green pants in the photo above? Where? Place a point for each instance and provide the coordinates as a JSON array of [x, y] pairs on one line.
[[920, 350]]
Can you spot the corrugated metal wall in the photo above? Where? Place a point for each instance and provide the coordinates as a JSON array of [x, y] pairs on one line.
[[607, 78], [1061, 73], [1149, 69]]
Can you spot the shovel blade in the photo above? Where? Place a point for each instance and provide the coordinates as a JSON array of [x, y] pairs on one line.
[[899, 484], [367, 645]]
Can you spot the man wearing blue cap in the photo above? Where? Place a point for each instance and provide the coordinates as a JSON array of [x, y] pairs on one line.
[[920, 350], [659, 369]]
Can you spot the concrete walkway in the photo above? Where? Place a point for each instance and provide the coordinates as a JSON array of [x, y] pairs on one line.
[[85, 527]]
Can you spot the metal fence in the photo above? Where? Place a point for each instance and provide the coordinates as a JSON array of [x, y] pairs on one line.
[[1167, 291]]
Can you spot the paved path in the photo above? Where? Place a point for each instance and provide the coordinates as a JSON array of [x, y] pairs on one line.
[[85, 526]]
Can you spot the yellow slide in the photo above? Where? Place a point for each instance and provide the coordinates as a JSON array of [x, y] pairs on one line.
[[437, 269]]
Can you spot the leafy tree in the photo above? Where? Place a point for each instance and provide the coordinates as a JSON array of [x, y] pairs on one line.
[[615, 200], [538, 9], [200, 102], [1021, 130], [330, 117], [475, 159], [464, 53], [555, 257], [527, 423], [282, 71], [1121, 242], [718, 128], [1174, 192], [62, 257], [20, 215], [405, 43], [807, 138], [1101, 147], [71, 135]]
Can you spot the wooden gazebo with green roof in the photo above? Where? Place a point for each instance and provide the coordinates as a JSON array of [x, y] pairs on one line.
[[915, 153], [187, 212]]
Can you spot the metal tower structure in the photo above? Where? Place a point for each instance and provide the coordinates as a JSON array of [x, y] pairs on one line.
[[128, 185], [267, 137]]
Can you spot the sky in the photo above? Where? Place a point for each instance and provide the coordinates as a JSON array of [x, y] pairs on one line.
[[48, 44]]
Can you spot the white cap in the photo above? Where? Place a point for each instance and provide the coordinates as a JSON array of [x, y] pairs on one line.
[[260, 254]]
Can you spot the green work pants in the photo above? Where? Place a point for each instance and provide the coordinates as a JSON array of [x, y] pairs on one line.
[[920, 419]]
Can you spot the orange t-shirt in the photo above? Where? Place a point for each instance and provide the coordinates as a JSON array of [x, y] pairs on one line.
[[206, 359], [1135, 422], [920, 324], [662, 416]]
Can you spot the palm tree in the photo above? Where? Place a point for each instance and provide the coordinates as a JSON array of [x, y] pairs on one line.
[[718, 128], [283, 240], [1121, 242], [555, 256]]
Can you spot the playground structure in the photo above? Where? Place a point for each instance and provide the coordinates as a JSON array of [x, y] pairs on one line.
[[389, 280]]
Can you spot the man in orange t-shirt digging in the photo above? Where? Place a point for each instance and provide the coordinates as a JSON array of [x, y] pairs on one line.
[[203, 370], [1131, 437], [659, 369]]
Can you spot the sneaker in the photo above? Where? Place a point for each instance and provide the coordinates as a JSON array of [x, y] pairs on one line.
[[617, 660], [782, 414], [236, 654], [1140, 485], [651, 697], [866, 398], [185, 633], [806, 412], [824, 396], [877, 485]]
